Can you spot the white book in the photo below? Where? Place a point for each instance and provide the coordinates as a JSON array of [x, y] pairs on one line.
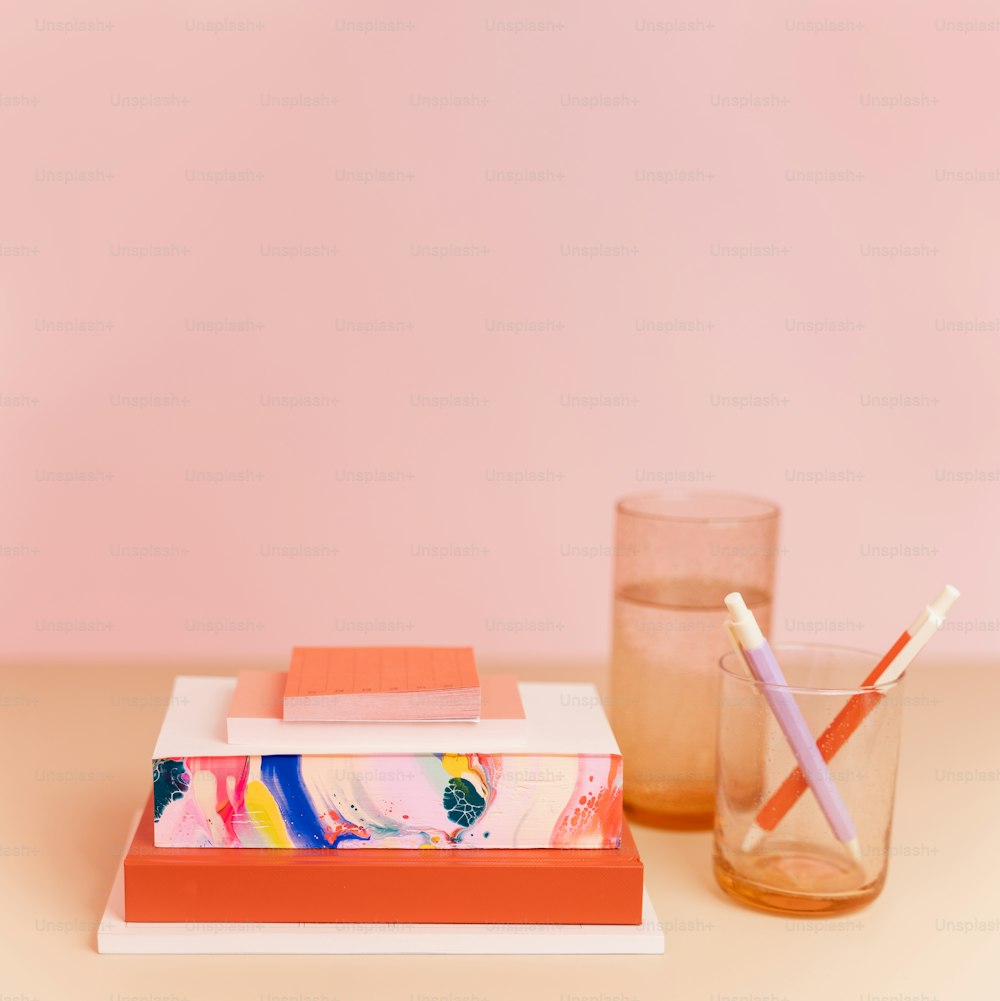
[[559, 719]]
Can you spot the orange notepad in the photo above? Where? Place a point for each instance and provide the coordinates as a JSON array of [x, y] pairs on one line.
[[373, 684], [256, 716]]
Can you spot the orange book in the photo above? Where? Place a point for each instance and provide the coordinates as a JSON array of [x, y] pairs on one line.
[[506, 886]]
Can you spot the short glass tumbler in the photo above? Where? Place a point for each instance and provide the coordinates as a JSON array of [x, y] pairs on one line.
[[677, 555], [778, 852]]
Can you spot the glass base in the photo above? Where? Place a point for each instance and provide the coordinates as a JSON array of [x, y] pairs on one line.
[[800, 883], [670, 821]]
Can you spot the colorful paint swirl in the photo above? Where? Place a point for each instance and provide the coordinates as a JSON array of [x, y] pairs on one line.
[[388, 801]]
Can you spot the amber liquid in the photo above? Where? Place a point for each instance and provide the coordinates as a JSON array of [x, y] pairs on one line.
[[800, 881], [668, 637]]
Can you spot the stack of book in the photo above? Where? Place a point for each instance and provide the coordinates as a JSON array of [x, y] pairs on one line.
[[397, 826]]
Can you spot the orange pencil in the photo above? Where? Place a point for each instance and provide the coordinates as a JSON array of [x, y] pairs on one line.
[[895, 661]]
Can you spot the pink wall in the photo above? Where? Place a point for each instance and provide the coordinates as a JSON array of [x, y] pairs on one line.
[[165, 486]]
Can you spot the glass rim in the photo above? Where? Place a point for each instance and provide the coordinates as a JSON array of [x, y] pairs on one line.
[[771, 508], [881, 688]]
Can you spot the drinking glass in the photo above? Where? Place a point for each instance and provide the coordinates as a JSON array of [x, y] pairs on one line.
[[779, 853], [677, 555]]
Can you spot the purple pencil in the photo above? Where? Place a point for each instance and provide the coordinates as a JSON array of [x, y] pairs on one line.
[[764, 667]]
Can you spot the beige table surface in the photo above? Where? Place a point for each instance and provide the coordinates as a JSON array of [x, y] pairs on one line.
[[76, 742]]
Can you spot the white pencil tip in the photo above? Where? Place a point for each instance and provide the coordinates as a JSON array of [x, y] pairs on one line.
[[939, 607], [853, 849], [736, 605], [753, 838]]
